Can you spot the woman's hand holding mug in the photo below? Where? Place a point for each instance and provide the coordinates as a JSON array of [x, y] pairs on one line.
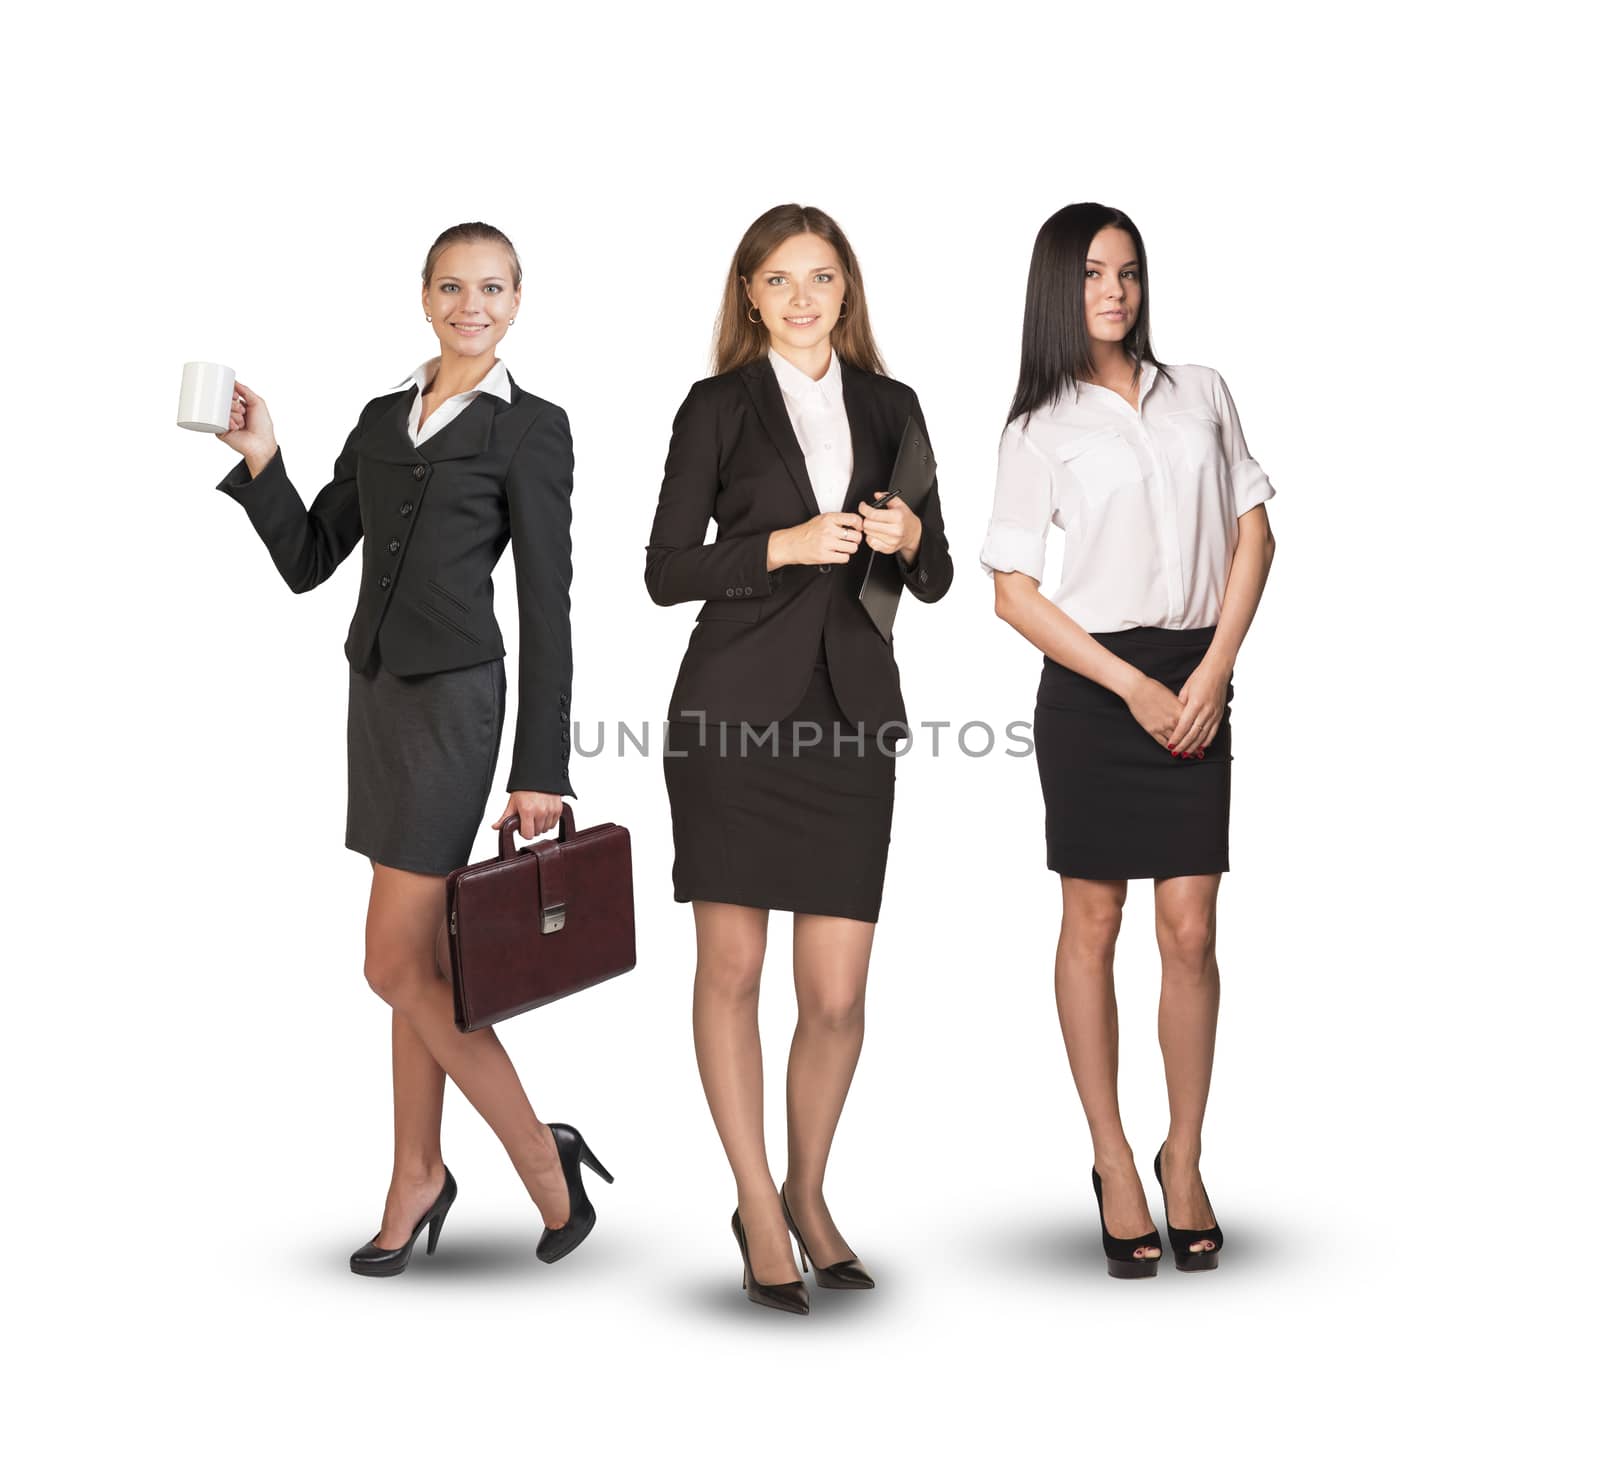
[[250, 430]]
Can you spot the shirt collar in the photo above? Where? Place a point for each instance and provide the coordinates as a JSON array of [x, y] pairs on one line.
[[1148, 374], [497, 381], [797, 385]]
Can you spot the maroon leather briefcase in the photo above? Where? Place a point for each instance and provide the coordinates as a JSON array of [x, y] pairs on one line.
[[532, 926]]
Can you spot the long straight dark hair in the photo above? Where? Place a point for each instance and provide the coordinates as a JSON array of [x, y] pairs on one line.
[[1056, 350]]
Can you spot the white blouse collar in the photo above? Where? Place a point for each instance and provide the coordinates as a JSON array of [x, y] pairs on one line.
[[796, 384], [497, 381], [1148, 375]]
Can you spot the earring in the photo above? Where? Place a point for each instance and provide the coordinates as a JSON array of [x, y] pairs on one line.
[[512, 322], [752, 314], [843, 307], [427, 318]]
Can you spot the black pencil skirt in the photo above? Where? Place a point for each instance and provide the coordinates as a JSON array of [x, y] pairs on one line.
[[422, 752], [793, 816], [1116, 803]]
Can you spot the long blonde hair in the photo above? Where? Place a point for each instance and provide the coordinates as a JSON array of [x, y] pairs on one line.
[[739, 340]]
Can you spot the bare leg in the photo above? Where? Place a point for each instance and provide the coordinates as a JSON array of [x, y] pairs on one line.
[[731, 945], [404, 916], [418, 1110], [830, 980], [1191, 989], [1091, 915]]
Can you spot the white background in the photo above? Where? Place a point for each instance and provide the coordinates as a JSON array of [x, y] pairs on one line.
[[1362, 216]]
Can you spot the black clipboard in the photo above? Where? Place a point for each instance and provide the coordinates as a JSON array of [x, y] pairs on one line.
[[879, 582]]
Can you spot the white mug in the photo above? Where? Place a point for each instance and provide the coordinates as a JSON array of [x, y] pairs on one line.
[[206, 397]]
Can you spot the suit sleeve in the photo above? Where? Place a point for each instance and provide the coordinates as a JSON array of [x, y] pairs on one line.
[[929, 576], [306, 545], [539, 495], [678, 566]]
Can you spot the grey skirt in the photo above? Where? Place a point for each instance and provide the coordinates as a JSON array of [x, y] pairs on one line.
[[422, 753]]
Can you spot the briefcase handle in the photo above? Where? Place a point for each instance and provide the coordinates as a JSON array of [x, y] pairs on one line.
[[508, 848]]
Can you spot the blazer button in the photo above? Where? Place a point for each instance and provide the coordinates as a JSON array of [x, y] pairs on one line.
[[728, 592], [384, 581], [748, 591], [824, 569], [419, 471], [394, 548], [407, 508]]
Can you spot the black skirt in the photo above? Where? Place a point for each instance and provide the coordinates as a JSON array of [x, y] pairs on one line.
[[793, 816], [422, 753], [1116, 803]]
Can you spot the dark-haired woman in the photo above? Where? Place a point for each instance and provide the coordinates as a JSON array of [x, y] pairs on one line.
[[787, 707], [1144, 468], [434, 479]]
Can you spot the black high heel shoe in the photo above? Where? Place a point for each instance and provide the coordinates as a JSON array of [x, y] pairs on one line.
[[1185, 1256], [1121, 1262], [370, 1260], [786, 1295], [554, 1244], [844, 1275]]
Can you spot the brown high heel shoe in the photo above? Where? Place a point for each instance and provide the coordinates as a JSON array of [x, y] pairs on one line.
[[786, 1295], [843, 1275]]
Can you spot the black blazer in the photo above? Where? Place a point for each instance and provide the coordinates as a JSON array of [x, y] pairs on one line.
[[435, 518], [734, 458]]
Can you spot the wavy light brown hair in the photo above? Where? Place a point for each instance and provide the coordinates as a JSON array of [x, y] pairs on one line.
[[469, 234], [739, 340]]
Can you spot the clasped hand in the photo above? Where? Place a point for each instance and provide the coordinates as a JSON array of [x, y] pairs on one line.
[[833, 537], [1186, 722]]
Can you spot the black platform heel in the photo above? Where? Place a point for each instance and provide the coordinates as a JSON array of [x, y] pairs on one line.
[[1185, 1256], [786, 1295], [370, 1260], [844, 1275], [555, 1244], [1121, 1262]]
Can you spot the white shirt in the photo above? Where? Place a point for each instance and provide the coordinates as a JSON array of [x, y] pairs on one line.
[[816, 413], [1148, 500], [496, 381]]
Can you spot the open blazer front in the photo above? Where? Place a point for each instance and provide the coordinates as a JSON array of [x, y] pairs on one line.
[[435, 518], [734, 458]]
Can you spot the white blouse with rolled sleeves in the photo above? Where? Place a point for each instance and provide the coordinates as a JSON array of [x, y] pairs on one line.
[[1149, 499], [817, 416], [496, 381]]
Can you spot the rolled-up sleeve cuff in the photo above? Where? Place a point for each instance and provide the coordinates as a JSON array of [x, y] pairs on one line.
[[1251, 487], [1009, 548]]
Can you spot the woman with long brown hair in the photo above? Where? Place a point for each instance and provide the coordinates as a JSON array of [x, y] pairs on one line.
[[783, 724], [436, 477]]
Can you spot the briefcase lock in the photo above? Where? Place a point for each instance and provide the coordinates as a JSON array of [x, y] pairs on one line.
[[553, 918]]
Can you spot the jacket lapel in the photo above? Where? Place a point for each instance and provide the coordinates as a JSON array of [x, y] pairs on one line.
[[387, 439], [467, 434], [762, 384], [867, 475]]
